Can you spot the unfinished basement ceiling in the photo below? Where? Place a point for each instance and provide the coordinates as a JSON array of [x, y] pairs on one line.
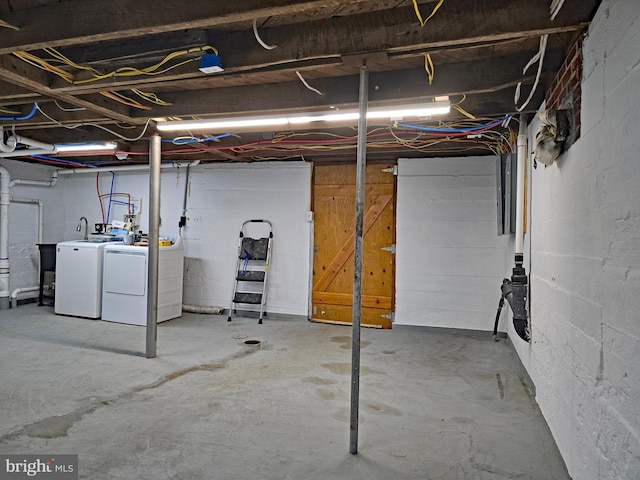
[[61, 54]]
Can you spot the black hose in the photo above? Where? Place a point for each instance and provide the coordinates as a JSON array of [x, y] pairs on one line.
[[495, 325]]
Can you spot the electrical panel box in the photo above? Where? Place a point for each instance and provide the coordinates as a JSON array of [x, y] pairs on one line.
[[506, 180]]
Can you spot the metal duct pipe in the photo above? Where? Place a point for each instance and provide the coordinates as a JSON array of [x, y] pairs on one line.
[[204, 309]]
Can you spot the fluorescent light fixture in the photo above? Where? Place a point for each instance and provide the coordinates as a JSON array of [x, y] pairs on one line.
[[85, 147], [348, 116]]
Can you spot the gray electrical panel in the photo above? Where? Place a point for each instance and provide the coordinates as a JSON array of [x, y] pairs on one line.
[[506, 178]]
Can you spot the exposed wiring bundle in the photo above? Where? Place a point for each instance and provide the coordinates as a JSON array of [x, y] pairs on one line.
[[78, 74]]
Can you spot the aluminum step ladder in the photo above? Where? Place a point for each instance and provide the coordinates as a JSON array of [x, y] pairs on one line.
[[252, 268]]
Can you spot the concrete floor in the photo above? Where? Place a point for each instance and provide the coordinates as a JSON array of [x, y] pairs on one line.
[[434, 405]]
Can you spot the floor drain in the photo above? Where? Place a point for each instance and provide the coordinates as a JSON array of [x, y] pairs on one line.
[[253, 343]]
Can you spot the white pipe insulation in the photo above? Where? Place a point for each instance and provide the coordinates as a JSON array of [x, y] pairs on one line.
[[520, 200]]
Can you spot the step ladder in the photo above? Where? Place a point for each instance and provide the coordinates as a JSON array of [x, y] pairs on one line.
[[252, 268]]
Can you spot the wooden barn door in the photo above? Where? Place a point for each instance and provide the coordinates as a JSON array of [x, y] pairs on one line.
[[334, 193]]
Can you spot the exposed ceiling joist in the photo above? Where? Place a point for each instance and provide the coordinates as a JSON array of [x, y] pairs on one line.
[[472, 49]]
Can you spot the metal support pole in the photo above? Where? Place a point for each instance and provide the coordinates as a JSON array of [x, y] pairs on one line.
[[357, 254], [154, 234]]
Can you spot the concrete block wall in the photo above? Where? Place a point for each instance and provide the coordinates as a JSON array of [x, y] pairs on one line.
[[450, 261], [585, 263], [219, 199]]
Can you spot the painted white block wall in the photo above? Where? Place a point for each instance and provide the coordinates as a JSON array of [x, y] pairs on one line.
[[585, 264], [450, 260], [23, 223], [220, 198]]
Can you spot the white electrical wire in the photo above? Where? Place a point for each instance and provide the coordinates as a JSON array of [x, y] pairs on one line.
[[76, 109], [307, 85], [78, 125], [539, 57], [260, 41], [556, 5]]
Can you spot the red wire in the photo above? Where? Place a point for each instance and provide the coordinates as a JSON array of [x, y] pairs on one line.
[[128, 195], [99, 199]]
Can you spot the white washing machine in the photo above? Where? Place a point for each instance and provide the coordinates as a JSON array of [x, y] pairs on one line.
[[124, 286], [78, 289]]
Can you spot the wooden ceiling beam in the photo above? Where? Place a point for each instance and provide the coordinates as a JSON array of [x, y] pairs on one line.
[[411, 84], [396, 32], [326, 41], [65, 23]]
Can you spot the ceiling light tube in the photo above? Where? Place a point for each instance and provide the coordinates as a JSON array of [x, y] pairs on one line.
[[348, 116], [85, 147]]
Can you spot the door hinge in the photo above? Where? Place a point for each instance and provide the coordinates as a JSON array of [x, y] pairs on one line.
[[391, 249], [391, 316], [393, 170]]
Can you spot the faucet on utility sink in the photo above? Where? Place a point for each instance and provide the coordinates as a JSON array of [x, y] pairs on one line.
[[86, 227]]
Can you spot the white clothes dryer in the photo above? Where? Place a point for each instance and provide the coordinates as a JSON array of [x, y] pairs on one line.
[[125, 283]]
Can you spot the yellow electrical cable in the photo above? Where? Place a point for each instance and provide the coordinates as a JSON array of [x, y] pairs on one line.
[[60, 57], [120, 98], [45, 64], [462, 110], [428, 67], [8, 25], [417, 9], [150, 97], [153, 69]]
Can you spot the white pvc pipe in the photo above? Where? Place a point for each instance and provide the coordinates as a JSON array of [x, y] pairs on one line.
[[125, 168], [520, 200], [34, 201], [32, 143], [40, 204], [8, 150], [25, 152], [5, 180], [14, 294], [37, 183], [10, 146]]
